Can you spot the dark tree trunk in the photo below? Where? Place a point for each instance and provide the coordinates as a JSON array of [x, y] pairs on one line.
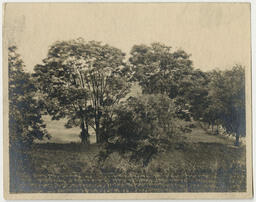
[[100, 131], [237, 140], [97, 131], [84, 133], [87, 128]]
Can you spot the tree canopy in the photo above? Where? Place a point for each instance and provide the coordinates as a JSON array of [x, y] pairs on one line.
[[83, 81], [158, 69], [25, 109], [227, 92]]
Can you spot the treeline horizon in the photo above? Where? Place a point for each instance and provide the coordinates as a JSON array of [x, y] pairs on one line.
[[88, 83]]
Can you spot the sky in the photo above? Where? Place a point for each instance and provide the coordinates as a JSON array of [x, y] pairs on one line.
[[217, 35]]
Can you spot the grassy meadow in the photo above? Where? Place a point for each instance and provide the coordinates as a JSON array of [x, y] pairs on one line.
[[199, 162]]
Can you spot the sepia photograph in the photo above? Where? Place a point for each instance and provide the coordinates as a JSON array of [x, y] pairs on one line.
[[127, 100]]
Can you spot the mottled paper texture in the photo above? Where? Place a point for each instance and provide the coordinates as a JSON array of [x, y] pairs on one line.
[[127, 100]]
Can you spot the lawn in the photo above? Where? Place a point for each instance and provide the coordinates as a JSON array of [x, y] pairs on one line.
[[200, 163]]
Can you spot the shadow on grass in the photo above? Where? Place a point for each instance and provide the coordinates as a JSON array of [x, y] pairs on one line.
[[72, 168]]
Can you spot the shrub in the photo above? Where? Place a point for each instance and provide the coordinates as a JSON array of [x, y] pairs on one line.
[[143, 127]]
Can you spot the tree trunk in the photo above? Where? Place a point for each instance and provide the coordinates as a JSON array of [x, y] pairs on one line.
[[84, 133], [217, 130], [87, 129], [237, 140], [97, 131]]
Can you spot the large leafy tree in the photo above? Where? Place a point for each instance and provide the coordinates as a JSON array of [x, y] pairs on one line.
[[213, 108], [158, 69], [227, 92], [25, 109], [82, 81], [192, 95]]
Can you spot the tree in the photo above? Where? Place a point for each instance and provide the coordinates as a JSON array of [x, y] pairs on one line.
[[228, 91], [158, 70], [25, 112], [192, 95], [83, 81], [143, 126]]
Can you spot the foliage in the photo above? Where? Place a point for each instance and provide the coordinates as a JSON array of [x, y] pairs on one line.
[[25, 110], [143, 126], [159, 70], [83, 81], [194, 92], [228, 99]]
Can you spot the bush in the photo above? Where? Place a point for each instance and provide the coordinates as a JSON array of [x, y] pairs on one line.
[[143, 127]]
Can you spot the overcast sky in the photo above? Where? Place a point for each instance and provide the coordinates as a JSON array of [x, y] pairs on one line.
[[216, 35]]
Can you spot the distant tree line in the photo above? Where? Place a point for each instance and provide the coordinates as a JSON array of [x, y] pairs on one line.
[[88, 83]]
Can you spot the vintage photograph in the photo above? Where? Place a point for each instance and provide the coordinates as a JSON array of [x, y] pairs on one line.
[[127, 100]]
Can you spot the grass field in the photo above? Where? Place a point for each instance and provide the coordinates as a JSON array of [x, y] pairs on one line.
[[200, 163]]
